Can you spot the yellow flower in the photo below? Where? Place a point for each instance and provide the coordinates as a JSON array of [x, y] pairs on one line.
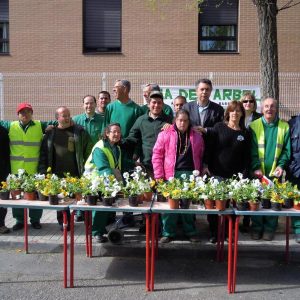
[[49, 170]]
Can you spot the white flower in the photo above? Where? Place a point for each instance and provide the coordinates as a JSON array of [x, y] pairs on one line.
[[138, 168], [196, 173], [21, 172], [171, 179], [54, 177], [192, 178], [240, 175], [183, 176], [126, 175]]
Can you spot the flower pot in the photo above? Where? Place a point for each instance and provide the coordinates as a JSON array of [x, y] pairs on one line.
[[161, 198], [220, 204], [42, 197], [242, 206], [78, 196], [133, 201], [276, 206], [173, 203], [91, 199], [15, 194], [254, 206], [108, 201], [288, 203], [4, 195], [209, 204], [53, 199], [140, 198], [184, 203], [30, 196], [266, 203], [297, 206], [148, 196]]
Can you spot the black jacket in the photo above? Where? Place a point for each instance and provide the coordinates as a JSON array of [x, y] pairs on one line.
[[4, 154], [83, 148]]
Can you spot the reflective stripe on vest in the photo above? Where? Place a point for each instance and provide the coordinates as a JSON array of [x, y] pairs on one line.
[[258, 128], [90, 166], [25, 147]]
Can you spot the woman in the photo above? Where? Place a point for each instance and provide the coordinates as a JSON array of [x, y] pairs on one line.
[[228, 150], [178, 150], [105, 158], [250, 106]]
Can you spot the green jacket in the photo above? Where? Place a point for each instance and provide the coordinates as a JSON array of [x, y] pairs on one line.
[[83, 147], [270, 132]]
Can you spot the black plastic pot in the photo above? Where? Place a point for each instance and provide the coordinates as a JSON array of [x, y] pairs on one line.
[[108, 201], [161, 198], [133, 201], [242, 206], [91, 199], [288, 203], [184, 203], [276, 206], [4, 195], [53, 199], [266, 203]]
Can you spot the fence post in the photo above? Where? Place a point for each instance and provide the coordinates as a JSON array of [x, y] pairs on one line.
[[1, 97]]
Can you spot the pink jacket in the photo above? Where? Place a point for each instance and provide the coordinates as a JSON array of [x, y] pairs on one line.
[[165, 149]]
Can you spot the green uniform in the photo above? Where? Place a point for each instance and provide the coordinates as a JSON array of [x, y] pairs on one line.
[[167, 109], [94, 125], [275, 148], [123, 113], [24, 151]]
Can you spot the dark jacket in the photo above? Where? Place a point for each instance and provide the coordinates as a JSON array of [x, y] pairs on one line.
[[214, 114], [293, 171], [83, 148], [4, 154]]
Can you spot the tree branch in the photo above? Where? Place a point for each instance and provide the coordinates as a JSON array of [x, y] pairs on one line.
[[288, 5]]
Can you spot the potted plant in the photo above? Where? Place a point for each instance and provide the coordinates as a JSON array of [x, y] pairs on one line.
[[221, 195], [109, 188], [4, 191], [52, 188], [91, 188], [14, 182], [297, 200], [39, 182], [265, 196], [73, 186], [276, 201], [209, 194], [29, 188], [286, 190]]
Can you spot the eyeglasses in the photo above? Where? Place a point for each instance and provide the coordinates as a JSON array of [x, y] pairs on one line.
[[248, 101]]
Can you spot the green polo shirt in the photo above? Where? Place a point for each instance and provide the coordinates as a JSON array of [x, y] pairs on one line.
[[94, 125]]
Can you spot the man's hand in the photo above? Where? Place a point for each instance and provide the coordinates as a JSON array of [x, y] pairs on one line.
[[278, 172], [166, 126], [258, 173], [49, 127], [200, 129]]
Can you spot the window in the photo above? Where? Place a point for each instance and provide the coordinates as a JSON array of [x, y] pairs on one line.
[[4, 41], [218, 22], [102, 26]]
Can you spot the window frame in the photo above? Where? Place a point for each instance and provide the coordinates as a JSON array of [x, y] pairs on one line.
[[4, 22]]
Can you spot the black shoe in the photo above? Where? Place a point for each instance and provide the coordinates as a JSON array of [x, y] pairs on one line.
[[101, 239], [18, 226], [36, 225], [213, 239], [79, 218]]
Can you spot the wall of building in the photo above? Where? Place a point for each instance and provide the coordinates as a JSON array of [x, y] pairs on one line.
[[46, 36]]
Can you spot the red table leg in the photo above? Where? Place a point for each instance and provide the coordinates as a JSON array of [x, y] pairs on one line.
[[72, 249], [25, 230], [65, 225], [90, 235], [235, 252], [153, 239], [287, 239], [229, 266], [86, 225], [147, 216]]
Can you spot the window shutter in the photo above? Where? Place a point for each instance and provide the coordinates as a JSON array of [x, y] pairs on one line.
[[4, 10], [102, 25]]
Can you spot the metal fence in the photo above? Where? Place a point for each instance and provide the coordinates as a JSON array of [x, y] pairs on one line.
[[46, 91]]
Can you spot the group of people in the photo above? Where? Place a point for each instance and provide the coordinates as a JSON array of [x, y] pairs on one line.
[[115, 137]]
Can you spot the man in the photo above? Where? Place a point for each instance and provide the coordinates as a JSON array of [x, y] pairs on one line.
[[148, 88], [204, 114], [123, 111], [270, 155], [65, 149], [4, 171], [147, 127], [102, 102], [293, 171], [25, 137], [178, 103], [93, 123]]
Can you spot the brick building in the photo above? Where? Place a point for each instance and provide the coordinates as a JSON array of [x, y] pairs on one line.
[[117, 36]]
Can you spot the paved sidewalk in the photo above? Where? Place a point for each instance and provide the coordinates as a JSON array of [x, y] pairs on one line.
[[51, 235]]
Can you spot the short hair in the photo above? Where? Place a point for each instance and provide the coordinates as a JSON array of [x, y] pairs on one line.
[[231, 107], [181, 98], [182, 112], [125, 83], [251, 96], [269, 98], [91, 96], [203, 80], [60, 107], [154, 86], [108, 128], [105, 93]]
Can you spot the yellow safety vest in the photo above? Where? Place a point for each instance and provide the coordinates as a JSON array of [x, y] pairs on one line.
[[25, 147], [90, 166], [258, 128]]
